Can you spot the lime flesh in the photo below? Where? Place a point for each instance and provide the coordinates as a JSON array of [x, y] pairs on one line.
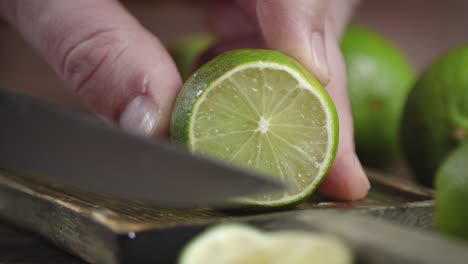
[[226, 244], [271, 135], [264, 113]]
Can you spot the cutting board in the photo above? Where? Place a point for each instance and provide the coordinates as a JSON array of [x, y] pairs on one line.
[[104, 229]]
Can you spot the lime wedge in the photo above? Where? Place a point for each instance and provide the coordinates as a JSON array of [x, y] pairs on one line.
[[260, 110], [236, 243]]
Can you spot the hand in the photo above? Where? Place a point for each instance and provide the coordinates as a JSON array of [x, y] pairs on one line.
[[307, 30], [125, 74], [119, 68]]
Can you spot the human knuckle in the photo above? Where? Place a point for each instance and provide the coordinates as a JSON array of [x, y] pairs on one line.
[[86, 56]]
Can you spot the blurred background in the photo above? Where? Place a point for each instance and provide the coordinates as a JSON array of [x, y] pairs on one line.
[[422, 29]]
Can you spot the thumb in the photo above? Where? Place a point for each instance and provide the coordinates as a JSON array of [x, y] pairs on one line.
[[105, 55], [297, 28]]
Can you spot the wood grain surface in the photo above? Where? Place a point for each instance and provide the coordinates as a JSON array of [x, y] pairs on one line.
[[21, 247], [104, 229]]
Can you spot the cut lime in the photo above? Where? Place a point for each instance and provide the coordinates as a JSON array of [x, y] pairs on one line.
[[451, 214], [235, 243], [260, 110]]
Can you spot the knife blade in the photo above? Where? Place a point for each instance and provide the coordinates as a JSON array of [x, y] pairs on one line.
[[41, 139]]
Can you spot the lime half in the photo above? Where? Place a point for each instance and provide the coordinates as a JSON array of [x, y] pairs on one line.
[[260, 110], [236, 243]]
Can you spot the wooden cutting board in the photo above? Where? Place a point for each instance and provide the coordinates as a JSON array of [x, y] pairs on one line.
[[104, 229]]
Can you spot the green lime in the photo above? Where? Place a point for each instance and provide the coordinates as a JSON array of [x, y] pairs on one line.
[[236, 243], [451, 214], [436, 114], [185, 51], [379, 79], [260, 110]]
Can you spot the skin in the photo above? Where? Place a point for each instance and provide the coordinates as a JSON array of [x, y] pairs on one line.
[[125, 74]]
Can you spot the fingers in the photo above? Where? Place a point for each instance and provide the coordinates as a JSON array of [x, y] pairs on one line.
[[105, 55], [296, 28], [346, 179], [227, 20]]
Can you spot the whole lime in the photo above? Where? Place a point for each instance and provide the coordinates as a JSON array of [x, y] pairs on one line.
[[238, 243], [379, 79], [451, 213], [436, 114]]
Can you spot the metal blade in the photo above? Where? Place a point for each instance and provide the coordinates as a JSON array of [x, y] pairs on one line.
[[40, 139]]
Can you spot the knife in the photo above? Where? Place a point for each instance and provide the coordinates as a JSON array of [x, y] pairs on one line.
[[41, 139]]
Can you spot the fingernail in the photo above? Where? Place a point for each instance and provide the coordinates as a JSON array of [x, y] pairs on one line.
[[141, 116], [319, 57]]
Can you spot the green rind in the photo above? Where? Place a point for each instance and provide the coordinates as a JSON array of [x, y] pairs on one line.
[[379, 79], [201, 80], [451, 214], [436, 108]]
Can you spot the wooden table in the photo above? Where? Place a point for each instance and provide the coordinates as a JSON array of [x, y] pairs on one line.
[[18, 246]]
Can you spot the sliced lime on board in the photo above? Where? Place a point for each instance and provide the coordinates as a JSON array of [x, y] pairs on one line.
[[451, 212], [236, 243]]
